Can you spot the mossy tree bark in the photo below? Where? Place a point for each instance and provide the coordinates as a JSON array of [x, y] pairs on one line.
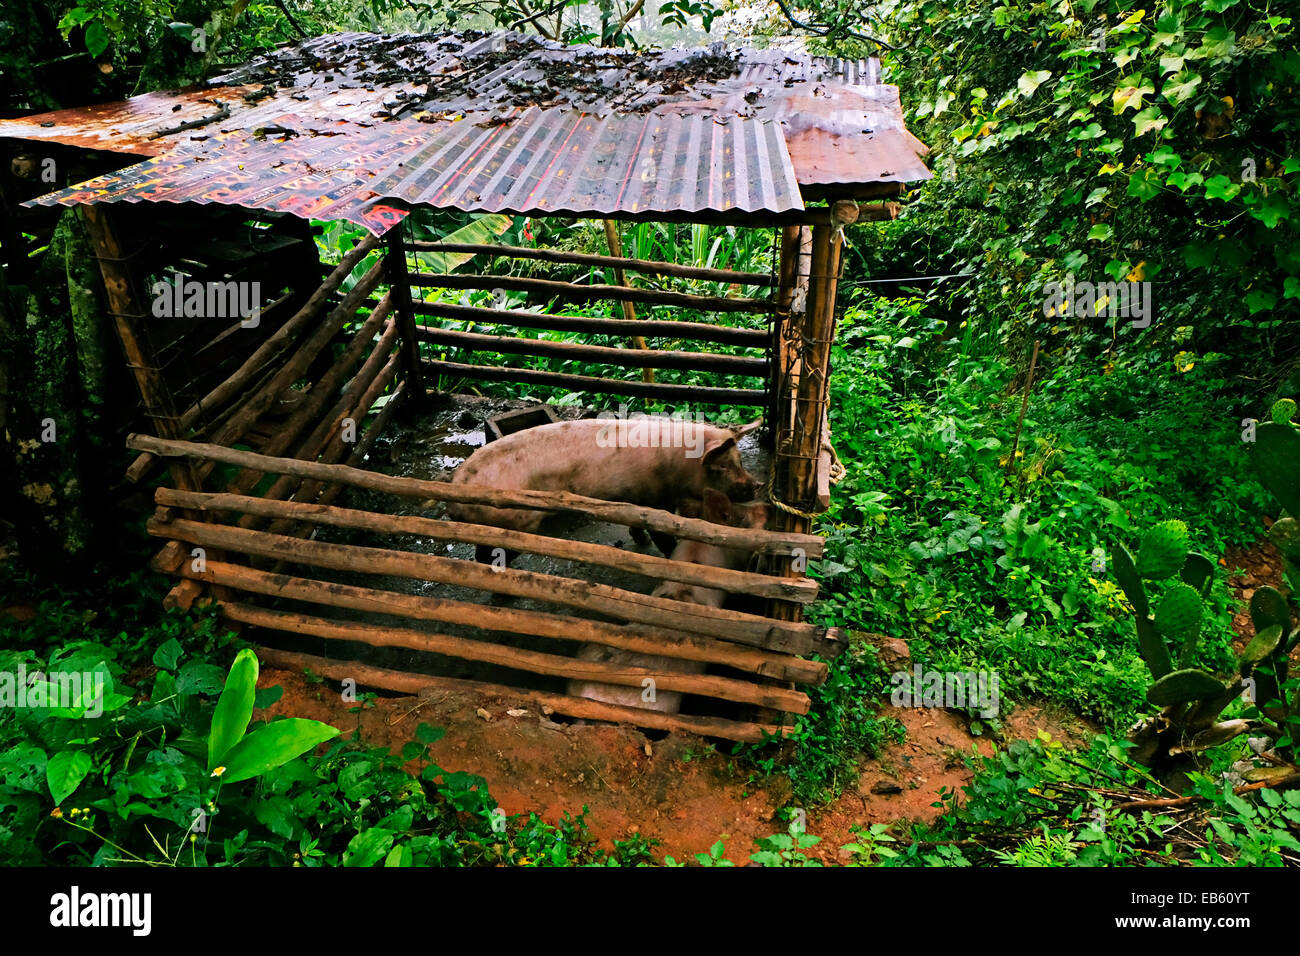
[[55, 394]]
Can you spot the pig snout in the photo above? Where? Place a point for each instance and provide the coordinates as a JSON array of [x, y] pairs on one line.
[[724, 471]]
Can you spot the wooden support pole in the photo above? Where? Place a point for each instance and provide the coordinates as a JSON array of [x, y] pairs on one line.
[[801, 439], [510, 345], [621, 604], [399, 288], [652, 566], [638, 638], [704, 394], [615, 244], [637, 516], [617, 261], [502, 655], [787, 278], [519, 319], [799, 488], [579, 707], [129, 318], [568, 292]]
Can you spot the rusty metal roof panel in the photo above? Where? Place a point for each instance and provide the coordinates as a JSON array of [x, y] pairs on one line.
[[538, 161], [511, 122], [567, 161]]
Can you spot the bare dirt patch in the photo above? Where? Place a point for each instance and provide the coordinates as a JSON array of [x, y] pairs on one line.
[[677, 790]]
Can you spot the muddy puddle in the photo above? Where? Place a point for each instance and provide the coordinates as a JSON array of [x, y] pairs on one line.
[[431, 445]]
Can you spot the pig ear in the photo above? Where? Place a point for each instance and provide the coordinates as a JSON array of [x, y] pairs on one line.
[[716, 449], [716, 507], [746, 429]]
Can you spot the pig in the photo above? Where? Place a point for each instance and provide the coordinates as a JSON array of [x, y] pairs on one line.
[[715, 507], [607, 459]]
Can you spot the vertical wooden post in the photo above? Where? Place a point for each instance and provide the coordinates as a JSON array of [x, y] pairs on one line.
[[786, 279], [127, 308], [399, 284], [800, 484], [804, 369], [629, 311], [129, 317]]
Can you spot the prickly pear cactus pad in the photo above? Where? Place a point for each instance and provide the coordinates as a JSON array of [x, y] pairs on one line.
[[1283, 411], [1163, 551], [1178, 613]]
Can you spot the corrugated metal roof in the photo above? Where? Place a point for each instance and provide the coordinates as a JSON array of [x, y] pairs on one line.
[[542, 161], [490, 122]]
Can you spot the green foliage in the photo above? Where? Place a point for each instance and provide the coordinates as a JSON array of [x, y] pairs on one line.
[[1114, 143], [840, 728], [1036, 804], [979, 560], [126, 775], [1192, 698]]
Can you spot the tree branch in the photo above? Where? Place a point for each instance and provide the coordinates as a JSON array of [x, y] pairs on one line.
[[822, 29], [289, 16]]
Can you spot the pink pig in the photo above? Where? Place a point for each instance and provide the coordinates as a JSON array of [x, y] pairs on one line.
[[716, 507], [650, 461]]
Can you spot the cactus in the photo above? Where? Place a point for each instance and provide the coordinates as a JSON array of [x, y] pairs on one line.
[[1283, 411], [1178, 618], [1183, 686], [1163, 551], [1168, 631], [1275, 456]]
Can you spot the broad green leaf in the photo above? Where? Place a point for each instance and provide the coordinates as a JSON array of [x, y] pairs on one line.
[[1272, 210], [1130, 93], [1168, 29], [428, 734], [1221, 187], [480, 231], [368, 847], [1180, 86], [64, 773], [1218, 42], [1260, 300], [271, 745], [96, 40], [400, 856], [234, 708], [1100, 231], [1144, 184], [1149, 119], [1184, 181], [267, 696], [1096, 196], [167, 654], [1032, 80], [276, 814]]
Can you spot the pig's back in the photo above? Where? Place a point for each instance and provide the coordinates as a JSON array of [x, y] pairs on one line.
[[570, 456]]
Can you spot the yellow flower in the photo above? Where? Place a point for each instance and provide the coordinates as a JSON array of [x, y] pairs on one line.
[[219, 771], [56, 813]]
